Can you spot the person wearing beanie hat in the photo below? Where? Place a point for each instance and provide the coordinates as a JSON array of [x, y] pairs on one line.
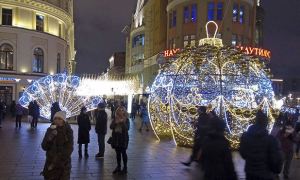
[[84, 127], [58, 144], [286, 139], [101, 128], [260, 150]]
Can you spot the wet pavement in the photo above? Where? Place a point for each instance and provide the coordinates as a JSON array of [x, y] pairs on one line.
[[21, 157]]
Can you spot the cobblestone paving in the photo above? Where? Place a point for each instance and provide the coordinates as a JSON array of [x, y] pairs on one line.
[[21, 157]]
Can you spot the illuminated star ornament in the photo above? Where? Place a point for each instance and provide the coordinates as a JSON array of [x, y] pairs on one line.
[[61, 88], [231, 83]]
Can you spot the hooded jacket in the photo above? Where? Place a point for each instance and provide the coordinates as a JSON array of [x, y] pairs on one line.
[[261, 153]]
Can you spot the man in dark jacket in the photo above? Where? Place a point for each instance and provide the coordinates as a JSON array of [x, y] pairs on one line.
[[1, 112], [202, 128], [101, 128], [261, 151], [216, 158], [36, 114]]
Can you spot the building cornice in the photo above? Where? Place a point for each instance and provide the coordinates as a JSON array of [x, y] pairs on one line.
[[174, 3], [137, 30], [43, 7]]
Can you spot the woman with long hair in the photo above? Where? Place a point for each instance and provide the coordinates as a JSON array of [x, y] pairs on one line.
[[120, 138]]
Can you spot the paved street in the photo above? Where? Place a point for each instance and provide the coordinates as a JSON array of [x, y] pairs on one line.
[[21, 157]]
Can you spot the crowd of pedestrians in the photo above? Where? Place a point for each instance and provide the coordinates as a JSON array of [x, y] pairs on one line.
[[267, 155]]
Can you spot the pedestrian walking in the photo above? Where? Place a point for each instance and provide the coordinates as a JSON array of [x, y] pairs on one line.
[[13, 109], [1, 112], [101, 128], [54, 109], [285, 137], [216, 157], [202, 128], [120, 138], [261, 151], [35, 114], [84, 127], [112, 108], [297, 138], [133, 111], [19, 114], [144, 117], [58, 144]]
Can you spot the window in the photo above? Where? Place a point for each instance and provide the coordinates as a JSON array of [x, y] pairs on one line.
[[185, 41], [235, 12], [242, 14], [220, 11], [172, 44], [38, 60], [174, 19], [211, 11], [7, 17], [6, 57], [138, 40], [39, 23], [193, 40], [234, 40], [186, 13], [58, 63], [194, 13]]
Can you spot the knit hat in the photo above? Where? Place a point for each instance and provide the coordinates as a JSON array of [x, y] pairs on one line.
[[61, 114]]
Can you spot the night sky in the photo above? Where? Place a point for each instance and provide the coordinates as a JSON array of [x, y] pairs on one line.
[[98, 26]]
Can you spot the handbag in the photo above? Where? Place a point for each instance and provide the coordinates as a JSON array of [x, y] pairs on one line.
[[109, 141]]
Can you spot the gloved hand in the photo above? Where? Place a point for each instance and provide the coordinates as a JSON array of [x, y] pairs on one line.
[[53, 133]]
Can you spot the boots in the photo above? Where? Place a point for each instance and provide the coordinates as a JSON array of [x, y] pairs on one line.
[[86, 155], [80, 153], [117, 170], [124, 170]]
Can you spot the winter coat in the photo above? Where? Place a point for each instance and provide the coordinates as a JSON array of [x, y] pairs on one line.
[[101, 122], [120, 137], [202, 128], [58, 153], [19, 110], [144, 114], [261, 152], [36, 110], [84, 127], [216, 158], [31, 109]]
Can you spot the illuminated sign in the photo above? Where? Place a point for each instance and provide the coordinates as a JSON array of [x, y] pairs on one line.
[[171, 52], [255, 51], [7, 80]]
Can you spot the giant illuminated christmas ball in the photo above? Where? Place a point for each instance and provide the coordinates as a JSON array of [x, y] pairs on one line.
[[61, 88], [229, 82]]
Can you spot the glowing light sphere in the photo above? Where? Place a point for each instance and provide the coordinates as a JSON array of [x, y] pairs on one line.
[[61, 88], [234, 84]]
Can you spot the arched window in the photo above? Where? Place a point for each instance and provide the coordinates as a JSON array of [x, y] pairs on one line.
[[58, 63], [38, 60], [6, 57]]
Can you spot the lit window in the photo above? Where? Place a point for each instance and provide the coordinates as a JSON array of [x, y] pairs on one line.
[[6, 57], [58, 63], [39, 23], [7, 17], [242, 14], [185, 41], [138, 40], [220, 11], [193, 40], [38, 60], [235, 12], [186, 14], [234, 40], [194, 13], [174, 19], [211, 11]]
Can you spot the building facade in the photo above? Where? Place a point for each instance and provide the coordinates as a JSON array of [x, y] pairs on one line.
[[116, 65], [165, 25], [36, 39]]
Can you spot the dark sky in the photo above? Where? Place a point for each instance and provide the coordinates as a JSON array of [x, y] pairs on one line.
[[98, 25]]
